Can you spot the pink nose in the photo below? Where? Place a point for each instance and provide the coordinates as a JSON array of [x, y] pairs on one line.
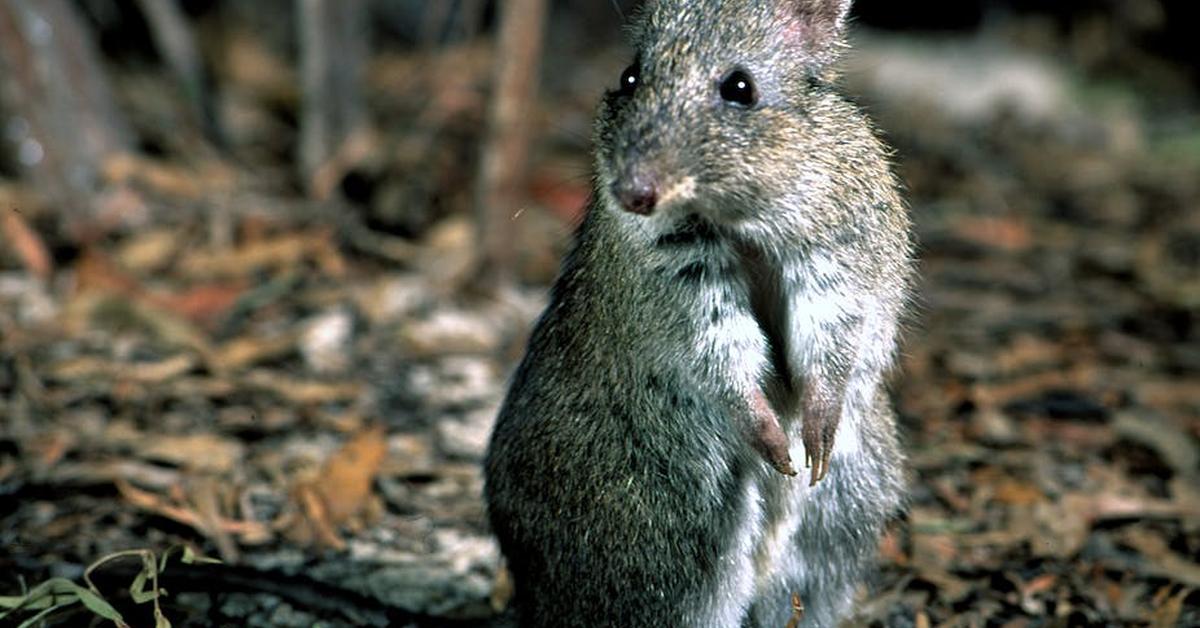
[[636, 194]]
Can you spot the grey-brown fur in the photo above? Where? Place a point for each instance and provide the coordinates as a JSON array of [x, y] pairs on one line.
[[627, 478]]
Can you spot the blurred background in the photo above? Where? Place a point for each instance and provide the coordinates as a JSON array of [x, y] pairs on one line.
[[266, 266]]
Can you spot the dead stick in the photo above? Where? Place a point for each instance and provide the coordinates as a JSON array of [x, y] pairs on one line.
[[506, 147]]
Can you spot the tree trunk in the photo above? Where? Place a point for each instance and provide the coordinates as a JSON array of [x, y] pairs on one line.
[[504, 161], [60, 120], [333, 49]]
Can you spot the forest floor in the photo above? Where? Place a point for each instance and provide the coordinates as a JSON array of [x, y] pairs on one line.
[[304, 390]]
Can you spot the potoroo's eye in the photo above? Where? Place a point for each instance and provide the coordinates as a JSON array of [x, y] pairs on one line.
[[738, 89], [630, 79]]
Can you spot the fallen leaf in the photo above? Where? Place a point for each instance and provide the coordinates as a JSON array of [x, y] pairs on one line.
[[281, 252], [248, 350], [1168, 608], [200, 452], [27, 244], [50, 447], [1017, 493], [204, 303], [891, 550], [303, 392], [149, 251], [1060, 528], [316, 516], [186, 182], [1040, 584], [346, 478], [1009, 233], [86, 367], [96, 271], [502, 589], [247, 531], [1162, 561], [340, 491]]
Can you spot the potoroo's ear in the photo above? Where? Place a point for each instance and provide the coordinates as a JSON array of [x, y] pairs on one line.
[[818, 28]]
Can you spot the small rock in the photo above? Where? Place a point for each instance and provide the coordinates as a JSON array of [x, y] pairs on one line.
[[393, 298], [467, 437], [409, 453], [325, 341], [34, 304], [455, 382], [993, 427], [450, 332], [466, 552]]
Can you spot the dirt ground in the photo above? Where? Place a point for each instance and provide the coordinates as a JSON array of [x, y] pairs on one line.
[[303, 389]]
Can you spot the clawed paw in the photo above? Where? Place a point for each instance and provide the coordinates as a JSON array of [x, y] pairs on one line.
[[767, 435], [818, 447]]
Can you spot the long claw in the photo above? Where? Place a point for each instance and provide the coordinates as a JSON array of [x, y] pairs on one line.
[[819, 468], [818, 449], [785, 468], [767, 436]]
